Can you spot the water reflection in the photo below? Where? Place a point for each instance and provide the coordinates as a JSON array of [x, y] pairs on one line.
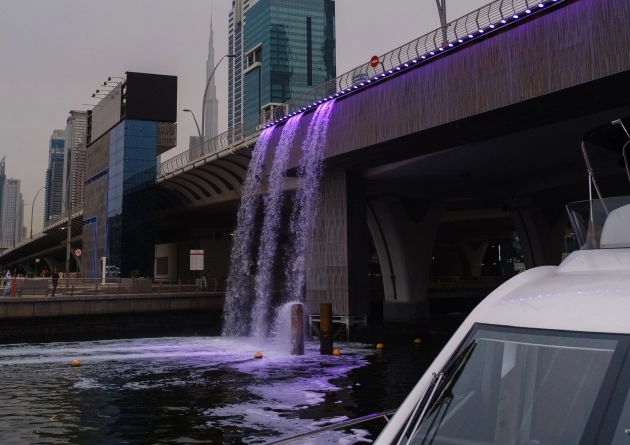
[[196, 390]]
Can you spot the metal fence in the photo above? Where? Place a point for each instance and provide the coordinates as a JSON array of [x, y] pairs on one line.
[[480, 22], [86, 287]]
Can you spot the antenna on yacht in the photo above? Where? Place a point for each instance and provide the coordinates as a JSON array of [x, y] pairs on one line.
[[591, 175], [623, 151]]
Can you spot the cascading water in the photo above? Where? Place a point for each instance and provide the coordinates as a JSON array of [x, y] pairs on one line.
[[242, 316], [240, 284], [306, 201], [270, 230]]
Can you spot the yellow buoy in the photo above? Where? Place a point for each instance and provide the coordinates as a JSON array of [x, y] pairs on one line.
[[336, 352], [417, 341], [75, 363], [258, 355], [380, 346]]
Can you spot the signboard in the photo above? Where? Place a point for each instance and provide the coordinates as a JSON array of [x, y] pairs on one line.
[[78, 252], [107, 113], [374, 61], [196, 260]]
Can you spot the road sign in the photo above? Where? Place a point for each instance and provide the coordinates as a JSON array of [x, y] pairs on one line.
[[374, 61], [196, 260], [78, 252]]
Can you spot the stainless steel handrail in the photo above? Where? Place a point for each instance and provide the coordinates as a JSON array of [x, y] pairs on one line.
[[335, 426], [481, 21]]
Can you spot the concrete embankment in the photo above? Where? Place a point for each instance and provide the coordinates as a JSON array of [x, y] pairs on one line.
[[48, 316]]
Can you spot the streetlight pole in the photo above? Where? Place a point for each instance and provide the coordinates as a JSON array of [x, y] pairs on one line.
[[69, 228], [198, 131], [32, 207], [441, 5], [205, 93]]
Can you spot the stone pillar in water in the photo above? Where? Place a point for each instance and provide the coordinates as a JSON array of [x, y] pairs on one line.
[[326, 329], [297, 329], [338, 270]]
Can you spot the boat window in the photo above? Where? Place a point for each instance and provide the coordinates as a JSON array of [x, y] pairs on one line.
[[517, 386], [601, 223]]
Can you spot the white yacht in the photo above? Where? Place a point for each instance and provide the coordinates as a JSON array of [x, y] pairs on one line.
[[545, 358]]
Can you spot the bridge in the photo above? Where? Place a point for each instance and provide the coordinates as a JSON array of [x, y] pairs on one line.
[[468, 134]]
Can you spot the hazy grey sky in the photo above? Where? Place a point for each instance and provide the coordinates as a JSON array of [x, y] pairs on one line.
[[55, 53]]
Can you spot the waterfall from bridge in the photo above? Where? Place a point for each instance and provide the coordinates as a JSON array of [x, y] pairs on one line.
[[249, 309], [306, 202], [239, 285], [270, 230]]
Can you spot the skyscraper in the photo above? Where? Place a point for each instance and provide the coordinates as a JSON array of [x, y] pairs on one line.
[[53, 193], [211, 106], [283, 48], [76, 131], [12, 213]]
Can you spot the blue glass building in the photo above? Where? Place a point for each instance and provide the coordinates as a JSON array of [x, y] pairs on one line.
[[288, 49], [54, 185], [123, 145]]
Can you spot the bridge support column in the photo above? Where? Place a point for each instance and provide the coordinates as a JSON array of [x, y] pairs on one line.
[[473, 252], [541, 234], [404, 233], [338, 271]]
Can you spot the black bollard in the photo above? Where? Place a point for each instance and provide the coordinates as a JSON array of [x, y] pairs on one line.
[[297, 329], [326, 329]]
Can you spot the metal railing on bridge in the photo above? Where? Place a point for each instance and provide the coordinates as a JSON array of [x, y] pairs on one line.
[[95, 287], [478, 23]]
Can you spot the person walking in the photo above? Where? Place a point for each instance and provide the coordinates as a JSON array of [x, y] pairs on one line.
[[55, 281], [7, 284]]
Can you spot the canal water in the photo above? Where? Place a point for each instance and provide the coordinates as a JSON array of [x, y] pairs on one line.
[[199, 389]]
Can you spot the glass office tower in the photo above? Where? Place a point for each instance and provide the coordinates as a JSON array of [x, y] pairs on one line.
[[288, 49]]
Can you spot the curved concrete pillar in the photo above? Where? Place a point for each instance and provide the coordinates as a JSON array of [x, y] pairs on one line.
[[541, 234], [404, 233], [472, 253]]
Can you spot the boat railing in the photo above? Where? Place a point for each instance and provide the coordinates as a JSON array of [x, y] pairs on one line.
[[335, 426]]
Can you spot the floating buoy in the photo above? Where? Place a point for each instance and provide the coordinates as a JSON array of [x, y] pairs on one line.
[[258, 355], [336, 352], [75, 363], [417, 341], [380, 346]]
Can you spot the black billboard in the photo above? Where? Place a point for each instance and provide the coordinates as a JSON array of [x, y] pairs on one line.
[[151, 97]]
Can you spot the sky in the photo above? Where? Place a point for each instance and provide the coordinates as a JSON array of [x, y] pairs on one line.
[[55, 53]]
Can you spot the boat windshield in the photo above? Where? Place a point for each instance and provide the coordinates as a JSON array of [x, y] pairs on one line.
[[519, 386], [601, 223]]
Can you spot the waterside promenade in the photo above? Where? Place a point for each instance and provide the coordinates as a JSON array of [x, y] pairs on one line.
[[39, 315]]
